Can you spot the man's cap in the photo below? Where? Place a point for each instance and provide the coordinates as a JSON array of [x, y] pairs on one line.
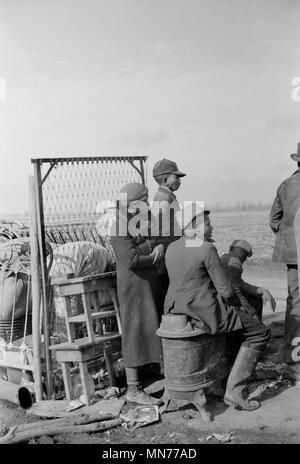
[[134, 191], [165, 166], [185, 216], [296, 156], [244, 245]]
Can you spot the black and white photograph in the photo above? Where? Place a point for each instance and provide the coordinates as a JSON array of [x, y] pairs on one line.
[[149, 225]]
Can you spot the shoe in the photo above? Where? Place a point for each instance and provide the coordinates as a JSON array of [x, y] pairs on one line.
[[240, 374], [136, 394]]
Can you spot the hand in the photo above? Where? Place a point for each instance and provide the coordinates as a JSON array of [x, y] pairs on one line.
[[157, 253], [267, 297]]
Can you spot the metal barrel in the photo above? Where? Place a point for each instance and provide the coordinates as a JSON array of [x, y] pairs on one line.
[[192, 359]]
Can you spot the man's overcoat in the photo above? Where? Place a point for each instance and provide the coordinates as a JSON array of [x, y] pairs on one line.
[[282, 217], [199, 287]]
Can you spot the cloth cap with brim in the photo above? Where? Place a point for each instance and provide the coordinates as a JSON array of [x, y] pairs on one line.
[[296, 156], [244, 245], [165, 166], [184, 217], [134, 191]]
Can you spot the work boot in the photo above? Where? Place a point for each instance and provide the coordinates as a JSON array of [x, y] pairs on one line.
[[240, 374], [136, 394]]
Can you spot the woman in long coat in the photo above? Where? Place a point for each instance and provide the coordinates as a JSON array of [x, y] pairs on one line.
[[139, 292]]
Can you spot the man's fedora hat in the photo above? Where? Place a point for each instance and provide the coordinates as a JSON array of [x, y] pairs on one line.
[[296, 156], [185, 216], [165, 166]]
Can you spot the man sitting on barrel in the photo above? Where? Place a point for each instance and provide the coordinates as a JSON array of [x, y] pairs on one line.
[[200, 289], [252, 298]]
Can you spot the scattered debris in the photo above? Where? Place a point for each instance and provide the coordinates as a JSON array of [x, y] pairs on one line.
[[109, 393], [75, 404], [186, 415], [60, 408], [175, 436], [222, 437], [140, 416], [44, 440], [171, 437], [99, 378], [3, 430], [271, 385]]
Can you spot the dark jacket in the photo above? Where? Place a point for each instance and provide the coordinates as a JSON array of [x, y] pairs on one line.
[[165, 194], [250, 300], [199, 287], [165, 221], [140, 298], [169, 205], [282, 217]]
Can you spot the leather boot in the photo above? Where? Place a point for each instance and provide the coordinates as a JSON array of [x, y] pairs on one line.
[[136, 394], [240, 374]]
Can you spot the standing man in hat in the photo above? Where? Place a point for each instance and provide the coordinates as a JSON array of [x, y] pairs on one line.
[[282, 217], [164, 207], [252, 298]]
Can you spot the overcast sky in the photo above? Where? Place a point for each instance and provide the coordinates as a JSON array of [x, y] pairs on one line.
[[206, 83]]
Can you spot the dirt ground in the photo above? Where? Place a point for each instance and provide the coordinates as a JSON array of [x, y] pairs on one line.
[[276, 421]]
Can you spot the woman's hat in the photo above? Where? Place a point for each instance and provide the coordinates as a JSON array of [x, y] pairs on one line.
[[296, 156], [134, 191]]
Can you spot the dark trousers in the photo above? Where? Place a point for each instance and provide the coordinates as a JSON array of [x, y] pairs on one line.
[[254, 335], [292, 315], [257, 303]]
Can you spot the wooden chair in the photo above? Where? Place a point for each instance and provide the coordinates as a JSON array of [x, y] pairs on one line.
[[99, 341]]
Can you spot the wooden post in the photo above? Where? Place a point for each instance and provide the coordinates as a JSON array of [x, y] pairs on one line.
[[44, 274], [142, 172], [36, 293]]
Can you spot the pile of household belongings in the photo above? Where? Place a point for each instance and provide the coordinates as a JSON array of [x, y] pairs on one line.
[[75, 259], [15, 294], [107, 217], [11, 229]]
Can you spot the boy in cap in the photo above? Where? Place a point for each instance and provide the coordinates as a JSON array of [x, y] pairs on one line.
[[164, 207], [167, 175], [252, 298]]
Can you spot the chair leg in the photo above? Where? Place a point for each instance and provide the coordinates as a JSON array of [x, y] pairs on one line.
[[67, 380], [109, 366], [84, 376]]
